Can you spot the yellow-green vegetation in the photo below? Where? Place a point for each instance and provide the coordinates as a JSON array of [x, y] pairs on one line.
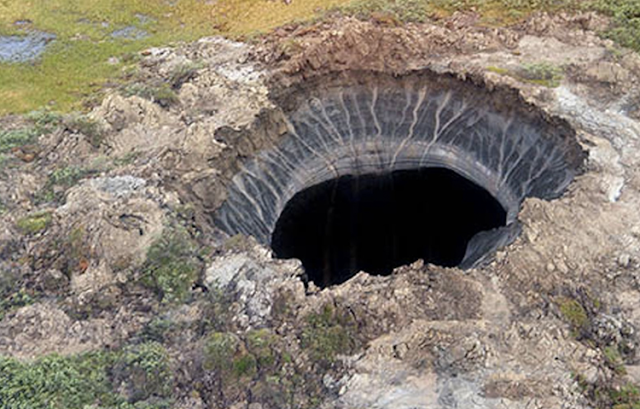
[[246, 17], [574, 313], [86, 53], [77, 62], [542, 73], [172, 265], [327, 334], [34, 223], [614, 359]]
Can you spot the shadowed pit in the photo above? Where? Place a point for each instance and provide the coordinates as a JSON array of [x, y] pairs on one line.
[[378, 222]]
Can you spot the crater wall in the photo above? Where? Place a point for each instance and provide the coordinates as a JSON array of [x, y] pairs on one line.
[[364, 123]]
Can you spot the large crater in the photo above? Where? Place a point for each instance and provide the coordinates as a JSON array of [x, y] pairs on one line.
[[374, 171]]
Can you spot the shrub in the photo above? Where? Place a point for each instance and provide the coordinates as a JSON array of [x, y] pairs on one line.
[[44, 120], [86, 126], [225, 354], [55, 382], [12, 295], [183, 73], [328, 334], [542, 73], [160, 93], [626, 20], [171, 267], [60, 180], [16, 138], [145, 369]]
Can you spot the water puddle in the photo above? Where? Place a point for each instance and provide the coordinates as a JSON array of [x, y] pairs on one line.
[[24, 48], [130, 33]]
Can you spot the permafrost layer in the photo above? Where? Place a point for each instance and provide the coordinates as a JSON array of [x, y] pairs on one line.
[[364, 124]]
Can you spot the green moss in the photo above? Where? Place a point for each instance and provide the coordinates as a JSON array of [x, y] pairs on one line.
[[244, 365], [262, 343], [574, 313], [328, 334], [172, 265], [34, 223]]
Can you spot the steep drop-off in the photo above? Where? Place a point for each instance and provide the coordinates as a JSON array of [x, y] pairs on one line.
[[362, 125]]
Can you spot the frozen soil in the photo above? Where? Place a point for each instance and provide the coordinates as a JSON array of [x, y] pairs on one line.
[[532, 328]]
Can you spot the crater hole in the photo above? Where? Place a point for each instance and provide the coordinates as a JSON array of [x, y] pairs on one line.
[[378, 222]]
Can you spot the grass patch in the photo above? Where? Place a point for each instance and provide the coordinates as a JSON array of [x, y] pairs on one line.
[[34, 223], [77, 63], [172, 265], [85, 55]]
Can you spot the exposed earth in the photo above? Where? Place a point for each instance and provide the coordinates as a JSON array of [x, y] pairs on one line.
[[108, 242]]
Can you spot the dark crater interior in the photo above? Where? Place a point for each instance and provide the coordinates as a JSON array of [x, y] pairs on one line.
[[378, 222], [368, 171]]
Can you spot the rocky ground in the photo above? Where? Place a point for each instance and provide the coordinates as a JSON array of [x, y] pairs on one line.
[[107, 243]]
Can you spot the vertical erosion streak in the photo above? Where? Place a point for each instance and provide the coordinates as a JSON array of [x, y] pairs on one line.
[[381, 124]]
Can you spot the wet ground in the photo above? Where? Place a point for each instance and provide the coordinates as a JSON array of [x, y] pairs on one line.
[[24, 48]]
